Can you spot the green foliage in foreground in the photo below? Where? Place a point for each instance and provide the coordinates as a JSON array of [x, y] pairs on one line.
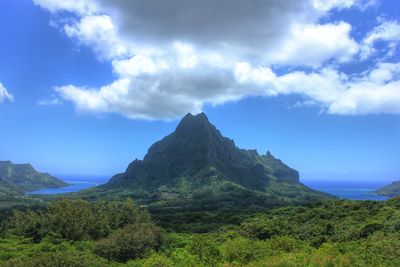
[[131, 242], [77, 219], [335, 233]]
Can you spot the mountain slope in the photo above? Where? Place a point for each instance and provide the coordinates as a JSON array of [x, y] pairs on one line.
[[197, 148], [16, 179], [195, 167], [391, 190]]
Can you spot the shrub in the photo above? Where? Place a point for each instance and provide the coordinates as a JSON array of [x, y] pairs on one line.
[[205, 248], [258, 229], [131, 242], [380, 249], [58, 259], [182, 258], [242, 251], [284, 244], [154, 260], [370, 228]]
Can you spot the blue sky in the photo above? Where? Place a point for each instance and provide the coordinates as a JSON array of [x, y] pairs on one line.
[[88, 86]]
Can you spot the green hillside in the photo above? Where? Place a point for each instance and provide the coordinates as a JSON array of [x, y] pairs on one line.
[[391, 190], [17, 179]]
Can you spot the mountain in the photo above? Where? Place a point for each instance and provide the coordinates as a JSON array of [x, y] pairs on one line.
[[17, 179], [196, 168], [391, 190]]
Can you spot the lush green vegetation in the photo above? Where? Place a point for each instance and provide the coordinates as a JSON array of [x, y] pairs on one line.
[[391, 190], [208, 208], [119, 233], [8, 202]]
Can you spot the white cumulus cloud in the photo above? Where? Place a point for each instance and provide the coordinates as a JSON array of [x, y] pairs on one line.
[[98, 32], [327, 5], [172, 57], [387, 31], [313, 44], [377, 91], [78, 6]]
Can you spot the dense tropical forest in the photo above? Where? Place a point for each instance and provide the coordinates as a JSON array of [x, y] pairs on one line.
[[76, 232]]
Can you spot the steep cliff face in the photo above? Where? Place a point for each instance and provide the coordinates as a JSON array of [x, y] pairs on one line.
[[197, 149]]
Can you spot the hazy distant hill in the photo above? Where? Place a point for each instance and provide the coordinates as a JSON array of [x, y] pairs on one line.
[[391, 190], [196, 168], [16, 179]]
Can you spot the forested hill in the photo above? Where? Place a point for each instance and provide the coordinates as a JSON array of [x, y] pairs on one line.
[[391, 190], [196, 168], [17, 179]]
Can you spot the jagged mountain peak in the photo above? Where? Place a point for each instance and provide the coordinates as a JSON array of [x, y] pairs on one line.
[[194, 138], [192, 125], [198, 118]]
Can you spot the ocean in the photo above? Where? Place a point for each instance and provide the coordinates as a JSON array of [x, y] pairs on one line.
[[344, 189], [76, 183], [348, 189]]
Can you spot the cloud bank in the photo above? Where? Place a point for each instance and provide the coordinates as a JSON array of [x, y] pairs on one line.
[[173, 57]]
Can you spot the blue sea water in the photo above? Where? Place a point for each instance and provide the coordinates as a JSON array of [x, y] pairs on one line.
[[344, 189], [75, 183], [349, 189]]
